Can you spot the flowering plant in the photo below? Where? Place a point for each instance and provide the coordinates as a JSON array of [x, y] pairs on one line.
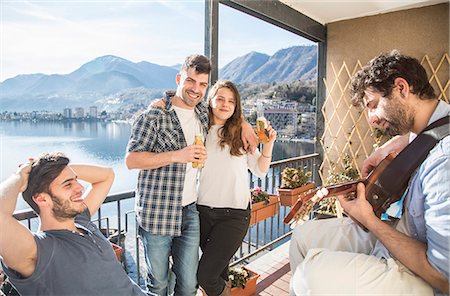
[[293, 178], [257, 195], [238, 277]]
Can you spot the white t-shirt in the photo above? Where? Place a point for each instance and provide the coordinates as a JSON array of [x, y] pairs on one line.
[[224, 181], [191, 127]]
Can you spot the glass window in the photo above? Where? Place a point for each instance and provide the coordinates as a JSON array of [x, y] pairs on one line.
[[276, 72]]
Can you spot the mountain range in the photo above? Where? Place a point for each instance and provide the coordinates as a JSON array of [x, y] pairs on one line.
[[289, 64], [110, 78]]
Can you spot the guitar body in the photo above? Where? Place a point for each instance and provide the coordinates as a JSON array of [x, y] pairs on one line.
[[376, 195]]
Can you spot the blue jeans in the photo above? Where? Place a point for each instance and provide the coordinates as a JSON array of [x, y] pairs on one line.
[[184, 250]]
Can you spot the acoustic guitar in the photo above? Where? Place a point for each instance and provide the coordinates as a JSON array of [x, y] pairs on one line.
[[378, 197], [388, 181]]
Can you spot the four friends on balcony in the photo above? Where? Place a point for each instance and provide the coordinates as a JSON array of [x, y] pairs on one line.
[[413, 257], [68, 255]]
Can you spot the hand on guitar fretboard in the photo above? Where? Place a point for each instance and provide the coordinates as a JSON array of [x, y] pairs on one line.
[[378, 197]]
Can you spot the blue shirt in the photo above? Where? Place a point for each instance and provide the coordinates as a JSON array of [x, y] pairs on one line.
[[426, 217], [428, 204]]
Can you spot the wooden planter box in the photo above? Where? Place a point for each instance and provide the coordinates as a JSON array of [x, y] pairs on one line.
[[118, 250], [261, 211], [250, 287], [288, 197]]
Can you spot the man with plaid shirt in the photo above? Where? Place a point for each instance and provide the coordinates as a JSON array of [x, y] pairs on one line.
[[160, 146]]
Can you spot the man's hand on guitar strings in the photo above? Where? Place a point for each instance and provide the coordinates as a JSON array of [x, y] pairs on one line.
[[372, 161], [357, 205]]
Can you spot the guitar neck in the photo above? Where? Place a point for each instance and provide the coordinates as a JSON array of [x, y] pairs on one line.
[[333, 190], [342, 189]]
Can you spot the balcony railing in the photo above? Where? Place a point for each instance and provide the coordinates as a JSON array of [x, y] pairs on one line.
[[117, 221]]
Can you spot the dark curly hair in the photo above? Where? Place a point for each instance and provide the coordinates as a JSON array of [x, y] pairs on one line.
[[199, 63], [381, 72], [44, 170]]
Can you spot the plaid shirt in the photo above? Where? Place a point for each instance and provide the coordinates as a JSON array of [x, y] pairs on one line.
[[160, 191]]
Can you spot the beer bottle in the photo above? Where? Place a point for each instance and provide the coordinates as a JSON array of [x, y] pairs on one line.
[[261, 132], [198, 140]]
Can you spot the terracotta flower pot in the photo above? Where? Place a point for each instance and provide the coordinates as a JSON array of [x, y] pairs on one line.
[[261, 211], [288, 197], [250, 287]]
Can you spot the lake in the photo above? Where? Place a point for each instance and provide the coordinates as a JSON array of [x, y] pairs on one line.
[[88, 142]]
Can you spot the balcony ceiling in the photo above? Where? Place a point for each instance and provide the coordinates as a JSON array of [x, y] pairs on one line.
[[328, 11]]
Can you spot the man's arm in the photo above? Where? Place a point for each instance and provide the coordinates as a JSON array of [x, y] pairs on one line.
[[410, 252], [101, 180], [151, 160], [248, 136], [17, 245], [396, 144]]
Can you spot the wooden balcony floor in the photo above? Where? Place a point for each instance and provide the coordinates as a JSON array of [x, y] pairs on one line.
[[274, 270]]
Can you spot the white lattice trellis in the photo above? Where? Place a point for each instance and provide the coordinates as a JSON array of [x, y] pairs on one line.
[[346, 128]]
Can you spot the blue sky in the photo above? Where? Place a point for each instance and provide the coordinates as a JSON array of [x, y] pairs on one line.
[[59, 36]]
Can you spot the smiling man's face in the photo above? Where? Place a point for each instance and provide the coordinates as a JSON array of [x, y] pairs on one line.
[[66, 194], [192, 87]]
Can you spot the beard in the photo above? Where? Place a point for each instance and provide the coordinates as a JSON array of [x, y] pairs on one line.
[[400, 118], [62, 210], [187, 99]]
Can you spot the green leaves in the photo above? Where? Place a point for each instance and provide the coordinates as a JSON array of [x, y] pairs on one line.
[[294, 177]]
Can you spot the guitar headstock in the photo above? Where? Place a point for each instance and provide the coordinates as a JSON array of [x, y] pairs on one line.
[[305, 204]]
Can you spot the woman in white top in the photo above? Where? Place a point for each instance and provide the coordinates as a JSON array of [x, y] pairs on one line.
[[224, 194]]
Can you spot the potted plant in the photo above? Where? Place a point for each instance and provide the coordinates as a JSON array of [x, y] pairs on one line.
[[264, 205], [294, 181], [243, 281]]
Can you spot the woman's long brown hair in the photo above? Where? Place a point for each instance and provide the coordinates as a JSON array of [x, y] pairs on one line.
[[230, 133]]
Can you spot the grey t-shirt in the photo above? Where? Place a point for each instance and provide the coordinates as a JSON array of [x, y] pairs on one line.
[[70, 263]]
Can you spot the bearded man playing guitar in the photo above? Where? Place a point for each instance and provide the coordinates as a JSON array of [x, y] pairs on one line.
[[336, 256]]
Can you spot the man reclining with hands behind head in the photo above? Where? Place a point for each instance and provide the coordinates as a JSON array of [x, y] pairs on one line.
[[68, 255]]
